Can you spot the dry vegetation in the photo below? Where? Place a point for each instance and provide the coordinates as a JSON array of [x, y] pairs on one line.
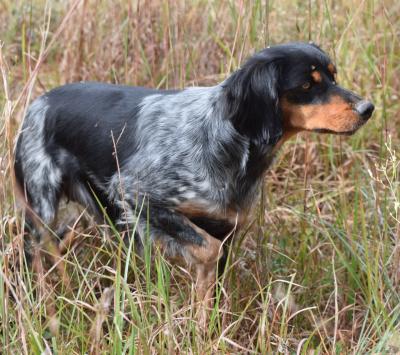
[[317, 272]]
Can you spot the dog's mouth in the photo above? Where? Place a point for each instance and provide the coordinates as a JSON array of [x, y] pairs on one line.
[[349, 132], [328, 131]]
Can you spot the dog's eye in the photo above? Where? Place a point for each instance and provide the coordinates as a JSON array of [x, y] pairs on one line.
[[306, 85]]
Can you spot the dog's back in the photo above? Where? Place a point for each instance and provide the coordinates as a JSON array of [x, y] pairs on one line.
[[69, 137]]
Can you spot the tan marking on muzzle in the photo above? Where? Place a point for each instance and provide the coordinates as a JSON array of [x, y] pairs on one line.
[[337, 115]]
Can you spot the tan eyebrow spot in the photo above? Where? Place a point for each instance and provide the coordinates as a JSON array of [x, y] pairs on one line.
[[332, 68], [316, 75]]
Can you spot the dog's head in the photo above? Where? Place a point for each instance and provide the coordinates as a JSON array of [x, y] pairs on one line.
[[290, 88]]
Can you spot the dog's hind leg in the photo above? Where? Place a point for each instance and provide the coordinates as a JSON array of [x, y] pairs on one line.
[[37, 174], [40, 183], [41, 203]]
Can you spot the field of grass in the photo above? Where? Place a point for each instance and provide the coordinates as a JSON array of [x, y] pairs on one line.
[[318, 268]]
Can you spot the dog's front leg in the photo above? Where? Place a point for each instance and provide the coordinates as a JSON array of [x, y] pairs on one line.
[[205, 259], [179, 237]]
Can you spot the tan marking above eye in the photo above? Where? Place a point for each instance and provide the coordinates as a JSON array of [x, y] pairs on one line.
[[316, 75], [306, 85], [332, 68]]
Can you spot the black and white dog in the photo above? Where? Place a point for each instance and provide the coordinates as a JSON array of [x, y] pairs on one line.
[[194, 157]]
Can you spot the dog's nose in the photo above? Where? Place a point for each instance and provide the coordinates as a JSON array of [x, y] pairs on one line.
[[364, 109]]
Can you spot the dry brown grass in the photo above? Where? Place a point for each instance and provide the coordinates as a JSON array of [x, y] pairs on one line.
[[318, 271]]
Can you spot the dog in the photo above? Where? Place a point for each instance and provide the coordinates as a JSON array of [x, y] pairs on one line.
[[191, 159]]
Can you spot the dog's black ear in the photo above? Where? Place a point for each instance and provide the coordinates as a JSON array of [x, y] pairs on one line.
[[252, 100]]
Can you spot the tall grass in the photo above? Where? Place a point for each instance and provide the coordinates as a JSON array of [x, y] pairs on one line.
[[317, 269]]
